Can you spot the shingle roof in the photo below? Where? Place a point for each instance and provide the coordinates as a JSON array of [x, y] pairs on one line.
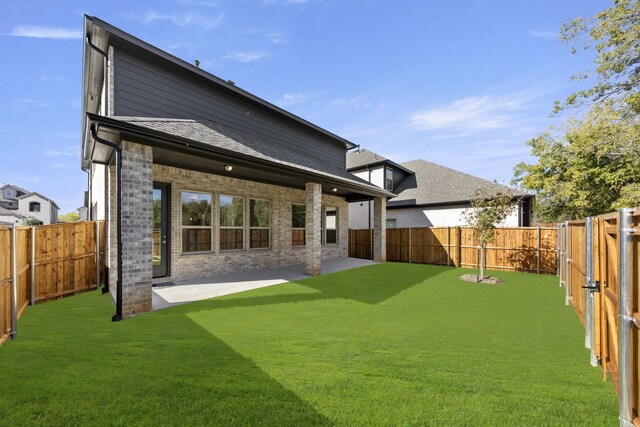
[[9, 212], [436, 184], [224, 137], [363, 157]]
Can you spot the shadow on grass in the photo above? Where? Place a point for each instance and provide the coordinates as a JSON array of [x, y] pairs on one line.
[[70, 367], [369, 285]]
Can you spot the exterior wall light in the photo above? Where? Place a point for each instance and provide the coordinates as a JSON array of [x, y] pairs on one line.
[[334, 189], [228, 168]]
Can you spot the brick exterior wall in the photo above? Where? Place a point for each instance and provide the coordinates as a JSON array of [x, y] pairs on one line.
[[314, 229], [281, 252]]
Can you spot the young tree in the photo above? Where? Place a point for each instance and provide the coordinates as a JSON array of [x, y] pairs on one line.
[[69, 217], [486, 212]]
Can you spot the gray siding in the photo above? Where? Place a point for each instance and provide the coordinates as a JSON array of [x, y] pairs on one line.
[[145, 90]]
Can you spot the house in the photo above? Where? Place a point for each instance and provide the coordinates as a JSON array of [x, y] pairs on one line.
[[428, 194], [197, 177], [19, 204]]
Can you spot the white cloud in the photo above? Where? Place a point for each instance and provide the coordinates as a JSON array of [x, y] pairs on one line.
[[35, 31], [277, 38], [192, 19], [355, 103], [30, 179], [26, 102], [246, 56], [471, 114], [289, 99], [543, 33], [69, 151]]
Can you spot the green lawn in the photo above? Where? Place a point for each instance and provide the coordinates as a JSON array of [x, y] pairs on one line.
[[391, 344]]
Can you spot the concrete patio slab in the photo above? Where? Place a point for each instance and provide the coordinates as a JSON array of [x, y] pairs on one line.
[[214, 286]]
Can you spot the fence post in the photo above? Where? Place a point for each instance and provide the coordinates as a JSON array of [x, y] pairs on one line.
[[458, 247], [33, 265], [98, 260], [625, 331], [589, 340], [448, 245], [567, 267], [559, 253], [538, 250], [410, 244], [14, 284]]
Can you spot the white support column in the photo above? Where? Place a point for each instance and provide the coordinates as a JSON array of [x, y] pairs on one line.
[[313, 224], [380, 229]]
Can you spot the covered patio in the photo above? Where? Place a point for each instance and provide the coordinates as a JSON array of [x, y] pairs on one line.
[[182, 291]]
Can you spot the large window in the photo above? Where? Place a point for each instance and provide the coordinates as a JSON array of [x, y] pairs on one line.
[[391, 223], [34, 207], [331, 226], [231, 223], [388, 178], [298, 224], [259, 223], [196, 221]]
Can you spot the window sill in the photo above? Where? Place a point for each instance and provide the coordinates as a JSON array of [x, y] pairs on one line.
[[196, 253]]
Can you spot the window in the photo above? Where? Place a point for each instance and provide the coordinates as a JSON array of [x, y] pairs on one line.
[[298, 224], [34, 207], [259, 223], [331, 226], [391, 223], [231, 223], [196, 221], [388, 178], [8, 193]]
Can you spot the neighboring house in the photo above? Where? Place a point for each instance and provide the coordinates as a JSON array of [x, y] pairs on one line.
[[28, 204], [212, 179], [428, 195]]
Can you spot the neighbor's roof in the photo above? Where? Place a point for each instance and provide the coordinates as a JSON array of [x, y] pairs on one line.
[[34, 193], [362, 158], [9, 212], [231, 140], [434, 184]]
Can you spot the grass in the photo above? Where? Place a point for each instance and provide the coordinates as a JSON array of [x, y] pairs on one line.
[[391, 344]]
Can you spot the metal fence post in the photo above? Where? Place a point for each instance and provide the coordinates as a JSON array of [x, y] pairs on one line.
[[589, 288], [567, 254], [33, 265], [14, 284], [625, 331]]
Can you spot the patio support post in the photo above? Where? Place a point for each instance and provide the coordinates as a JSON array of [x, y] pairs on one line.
[[380, 229], [313, 234]]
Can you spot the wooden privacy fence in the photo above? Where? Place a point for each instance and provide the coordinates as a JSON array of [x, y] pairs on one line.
[[51, 261], [530, 249], [600, 270]]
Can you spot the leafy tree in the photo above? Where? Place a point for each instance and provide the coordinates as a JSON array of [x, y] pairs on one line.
[[590, 167], [31, 221], [615, 35], [69, 217], [486, 212]]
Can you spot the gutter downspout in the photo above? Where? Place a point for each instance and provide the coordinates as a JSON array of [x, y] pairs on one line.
[[118, 315]]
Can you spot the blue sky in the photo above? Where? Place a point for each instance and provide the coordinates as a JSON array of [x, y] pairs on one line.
[[460, 83]]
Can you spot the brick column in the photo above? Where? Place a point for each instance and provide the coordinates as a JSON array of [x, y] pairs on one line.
[[380, 229], [313, 242], [137, 218]]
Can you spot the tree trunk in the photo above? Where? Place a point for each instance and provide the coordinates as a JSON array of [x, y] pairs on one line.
[[482, 262]]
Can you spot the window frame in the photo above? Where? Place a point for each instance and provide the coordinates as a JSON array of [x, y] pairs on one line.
[[259, 228], [304, 229], [395, 223], [32, 206], [235, 227], [324, 227], [199, 227], [387, 179]]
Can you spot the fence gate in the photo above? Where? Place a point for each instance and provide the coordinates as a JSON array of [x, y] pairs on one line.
[[577, 244]]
